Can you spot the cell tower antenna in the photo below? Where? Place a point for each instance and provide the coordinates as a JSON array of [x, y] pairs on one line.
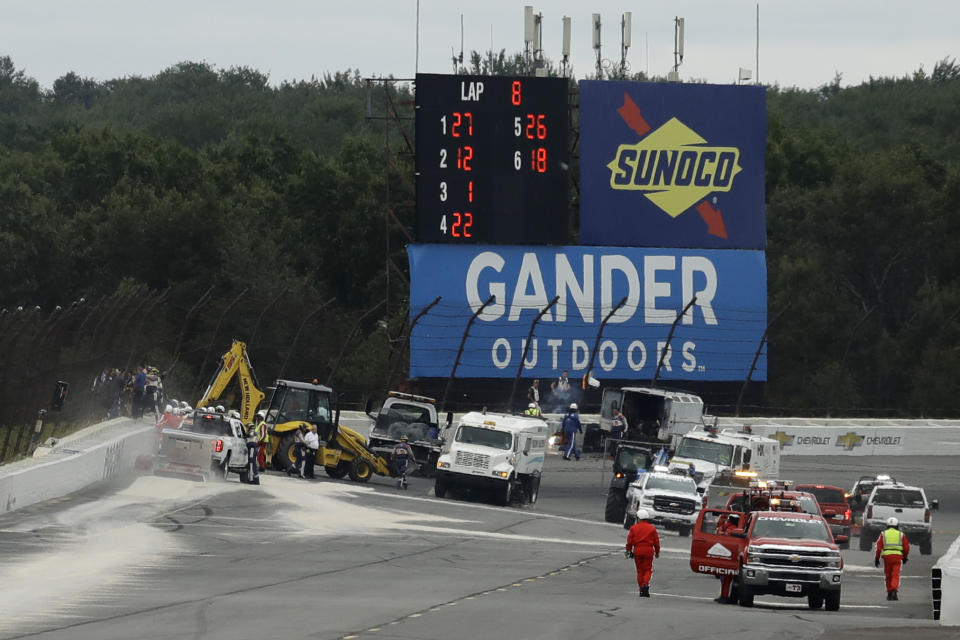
[[596, 45], [677, 49], [566, 43], [458, 60]]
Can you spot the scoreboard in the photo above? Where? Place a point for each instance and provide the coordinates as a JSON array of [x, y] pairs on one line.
[[492, 160]]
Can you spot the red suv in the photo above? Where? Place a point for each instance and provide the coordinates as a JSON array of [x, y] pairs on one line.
[[836, 510]]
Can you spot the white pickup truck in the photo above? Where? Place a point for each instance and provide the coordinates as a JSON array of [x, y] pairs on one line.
[[205, 444]]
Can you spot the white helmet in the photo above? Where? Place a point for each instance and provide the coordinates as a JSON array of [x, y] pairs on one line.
[[220, 408], [532, 405], [642, 514], [262, 414], [168, 409], [893, 522], [233, 413], [573, 406]]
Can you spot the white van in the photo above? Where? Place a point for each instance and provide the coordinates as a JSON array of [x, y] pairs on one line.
[[495, 451]]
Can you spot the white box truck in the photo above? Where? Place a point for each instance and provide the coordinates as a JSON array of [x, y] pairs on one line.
[[494, 451], [653, 414]]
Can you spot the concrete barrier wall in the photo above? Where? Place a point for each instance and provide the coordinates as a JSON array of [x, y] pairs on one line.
[[808, 437], [73, 465], [945, 586]]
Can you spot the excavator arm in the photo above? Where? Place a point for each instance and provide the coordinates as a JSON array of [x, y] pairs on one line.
[[234, 362]]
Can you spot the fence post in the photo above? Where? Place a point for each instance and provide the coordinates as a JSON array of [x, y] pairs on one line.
[[526, 348], [756, 356], [404, 339], [293, 344], [596, 344], [463, 341], [666, 347], [346, 342]]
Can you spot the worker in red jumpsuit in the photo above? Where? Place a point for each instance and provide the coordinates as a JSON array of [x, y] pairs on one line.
[[893, 547], [726, 582], [643, 544]]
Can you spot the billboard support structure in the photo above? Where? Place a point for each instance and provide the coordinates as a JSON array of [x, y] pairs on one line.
[[463, 341], [526, 349], [666, 347]]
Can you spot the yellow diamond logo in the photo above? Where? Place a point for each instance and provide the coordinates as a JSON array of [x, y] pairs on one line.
[[675, 167]]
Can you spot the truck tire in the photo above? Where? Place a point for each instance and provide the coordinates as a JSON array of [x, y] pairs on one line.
[[222, 470], [746, 595], [283, 459], [628, 521], [439, 488], [337, 472], [360, 470], [616, 506], [533, 489], [926, 546], [866, 539], [832, 600], [505, 493], [815, 600]]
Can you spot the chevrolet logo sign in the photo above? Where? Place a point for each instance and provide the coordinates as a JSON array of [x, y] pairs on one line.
[[794, 559], [674, 504], [849, 440], [783, 438]]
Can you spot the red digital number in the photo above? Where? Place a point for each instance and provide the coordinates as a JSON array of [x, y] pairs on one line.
[[515, 93], [536, 128], [460, 119], [461, 225], [470, 191], [538, 160], [464, 156]]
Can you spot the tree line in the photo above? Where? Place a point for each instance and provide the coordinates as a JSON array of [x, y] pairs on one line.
[[212, 180]]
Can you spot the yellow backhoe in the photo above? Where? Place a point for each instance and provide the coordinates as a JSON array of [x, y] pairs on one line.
[[342, 451]]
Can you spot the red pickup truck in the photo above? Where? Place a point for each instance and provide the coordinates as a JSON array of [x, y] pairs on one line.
[[835, 508], [784, 553]]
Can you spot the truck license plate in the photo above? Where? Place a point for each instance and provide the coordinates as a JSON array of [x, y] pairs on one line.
[[793, 587]]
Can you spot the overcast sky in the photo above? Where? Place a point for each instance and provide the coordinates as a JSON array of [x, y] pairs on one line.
[[802, 43]]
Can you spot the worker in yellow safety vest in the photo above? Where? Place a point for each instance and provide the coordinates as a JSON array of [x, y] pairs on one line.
[[893, 548], [532, 410], [263, 437]]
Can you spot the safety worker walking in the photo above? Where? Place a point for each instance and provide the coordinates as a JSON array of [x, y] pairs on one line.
[[893, 548], [571, 427], [402, 455], [263, 437], [253, 443], [643, 545], [532, 410]]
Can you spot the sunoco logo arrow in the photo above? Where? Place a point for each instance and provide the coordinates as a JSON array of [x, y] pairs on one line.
[[674, 167]]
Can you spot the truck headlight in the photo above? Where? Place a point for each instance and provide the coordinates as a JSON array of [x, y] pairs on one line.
[[443, 465], [502, 474], [834, 563], [647, 500]]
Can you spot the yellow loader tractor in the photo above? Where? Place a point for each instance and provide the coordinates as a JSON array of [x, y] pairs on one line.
[[342, 451]]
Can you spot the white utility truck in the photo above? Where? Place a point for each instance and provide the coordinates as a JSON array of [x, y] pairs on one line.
[[653, 415], [708, 455], [494, 451]]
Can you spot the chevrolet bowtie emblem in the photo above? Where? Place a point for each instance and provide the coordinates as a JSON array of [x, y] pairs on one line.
[[849, 440]]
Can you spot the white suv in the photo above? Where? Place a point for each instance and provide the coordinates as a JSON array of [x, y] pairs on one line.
[[672, 500], [909, 505]]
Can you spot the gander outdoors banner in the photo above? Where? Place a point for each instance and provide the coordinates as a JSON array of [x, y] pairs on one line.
[[672, 165], [714, 341]]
